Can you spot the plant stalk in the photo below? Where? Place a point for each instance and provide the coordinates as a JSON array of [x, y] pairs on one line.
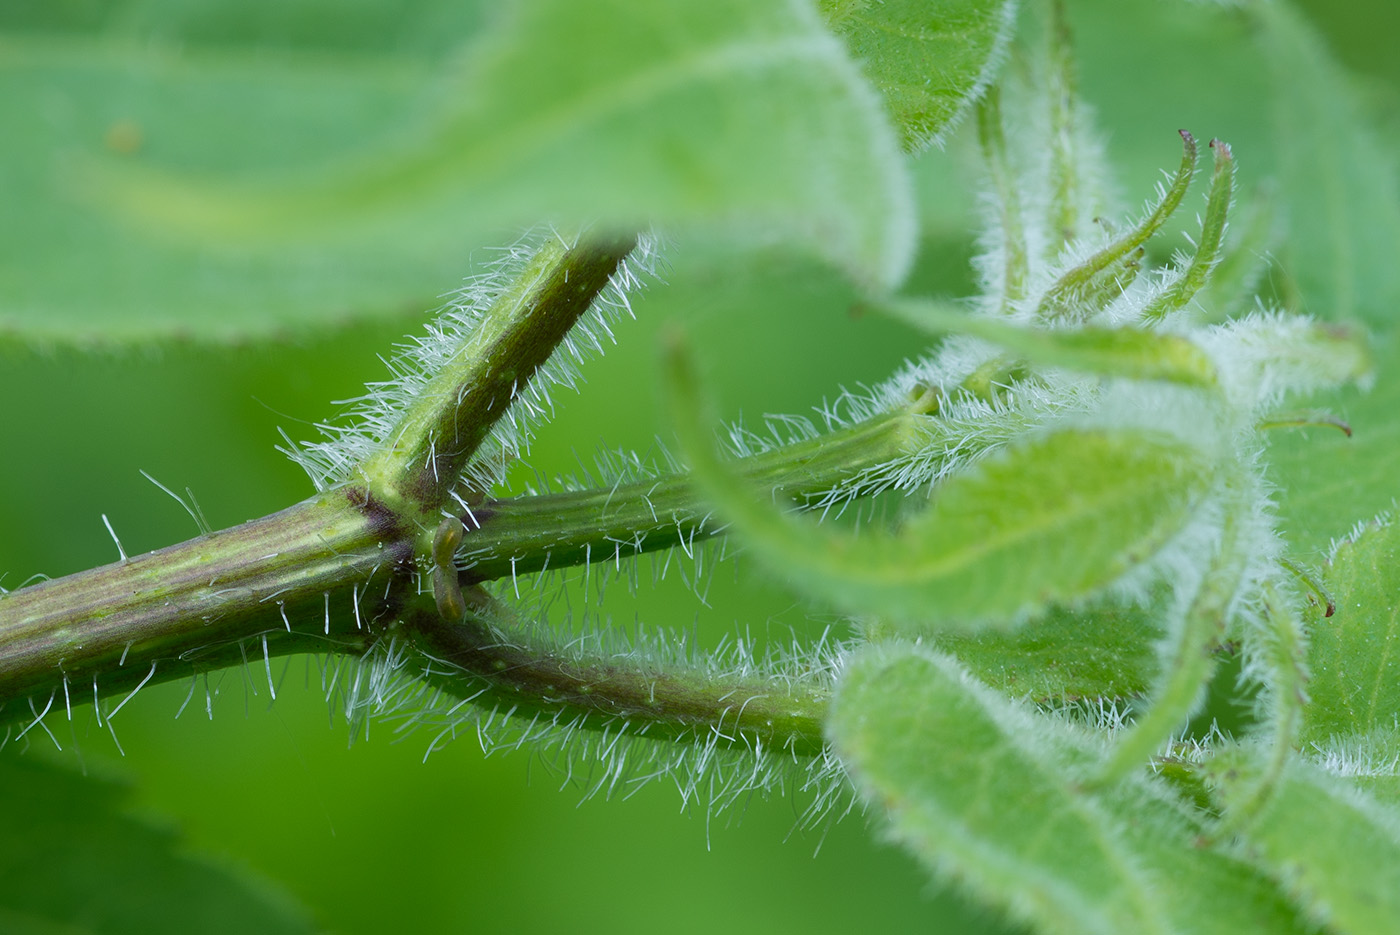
[[337, 571]]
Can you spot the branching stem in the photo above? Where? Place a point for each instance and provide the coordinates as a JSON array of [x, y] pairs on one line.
[[436, 437], [378, 558], [334, 572]]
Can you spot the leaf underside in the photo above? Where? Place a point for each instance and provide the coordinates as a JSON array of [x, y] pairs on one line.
[[991, 796]]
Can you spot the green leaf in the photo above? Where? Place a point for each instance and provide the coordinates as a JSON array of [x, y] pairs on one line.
[[1336, 848], [417, 29], [967, 791], [1055, 519], [1354, 655], [71, 274], [71, 861], [364, 164], [990, 795], [741, 115], [1326, 480], [929, 58], [1339, 183], [1098, 652], [1116, 352]]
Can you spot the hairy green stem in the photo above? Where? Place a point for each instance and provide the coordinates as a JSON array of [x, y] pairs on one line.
[[157, 614], [660, 701], [1015, 267], [418, 468], [1064, 155], [1282, 655], [525, 534], [1107, 273], [1208, 250], [1190, 660], [374, 560], [299, 578]]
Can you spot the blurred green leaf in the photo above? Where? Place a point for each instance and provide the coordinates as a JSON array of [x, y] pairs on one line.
[[1341, 200], [74, 275], [928, 58], [71, 861], [1334, 847], [1354, 655], [990, 795], [411, 28], [746, 115], [346, 175]]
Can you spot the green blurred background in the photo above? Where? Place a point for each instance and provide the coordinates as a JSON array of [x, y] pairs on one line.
[[369, 837]]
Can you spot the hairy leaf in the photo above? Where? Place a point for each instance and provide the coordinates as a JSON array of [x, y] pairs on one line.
[[1055, 519], [1368, 761], [1354, 655], [1052, 520], [990, 795], [928, 59], [1335, 847], [1099, 652], [1117, 352], [70, 860]]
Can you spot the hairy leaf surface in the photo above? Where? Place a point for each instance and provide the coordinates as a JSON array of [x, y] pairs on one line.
[[990, 795], [1354, 655], [928, 59], [1368, 761], [1335, 847]]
